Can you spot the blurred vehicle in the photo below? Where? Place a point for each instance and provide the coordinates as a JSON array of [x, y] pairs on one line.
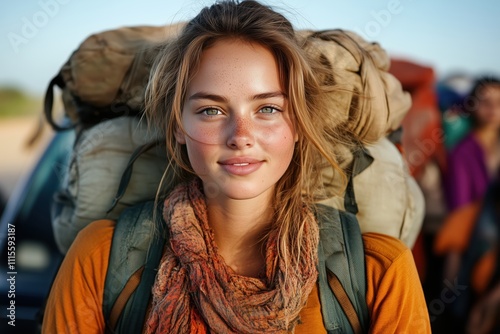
[[30, 258]]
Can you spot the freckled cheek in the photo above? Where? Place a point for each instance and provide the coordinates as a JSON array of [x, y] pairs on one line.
[[273, 133], [280, 140], [209, 134]]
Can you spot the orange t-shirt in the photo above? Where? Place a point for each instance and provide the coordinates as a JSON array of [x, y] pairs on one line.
[[394, 294]]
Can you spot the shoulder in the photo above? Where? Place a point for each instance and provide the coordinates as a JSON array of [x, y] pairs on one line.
[[384, 247], [93, 240], [385, 254], [96, 233], [102, 227], [394, 293], [80, 281], [465, 147]]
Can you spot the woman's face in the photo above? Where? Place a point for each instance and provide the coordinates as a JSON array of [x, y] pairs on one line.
[[239, 133], [488, 106]]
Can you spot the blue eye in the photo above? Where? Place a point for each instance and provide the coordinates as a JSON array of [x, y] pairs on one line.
[[268, 110]]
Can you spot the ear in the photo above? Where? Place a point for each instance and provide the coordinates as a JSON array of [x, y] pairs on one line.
[[180, 136], [296, 137]]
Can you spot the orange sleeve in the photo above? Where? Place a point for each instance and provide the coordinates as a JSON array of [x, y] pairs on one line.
[[394, 293], [455, 233], [75, 301], [483, 271]]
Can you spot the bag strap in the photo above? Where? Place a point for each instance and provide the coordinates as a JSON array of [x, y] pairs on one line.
[[136, 250], [341, 252], [361, 160], [344, 301], [124, 296], [48, 103], [353, 274], [88, 115], [127, 173]]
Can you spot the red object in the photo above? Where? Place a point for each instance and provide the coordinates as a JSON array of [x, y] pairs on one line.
[[423, 136]]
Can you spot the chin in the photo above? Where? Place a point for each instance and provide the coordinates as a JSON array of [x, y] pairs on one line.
[[244, 193], [236, 191]]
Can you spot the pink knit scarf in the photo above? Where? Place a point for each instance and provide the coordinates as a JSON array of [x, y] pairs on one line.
[[196, 292]]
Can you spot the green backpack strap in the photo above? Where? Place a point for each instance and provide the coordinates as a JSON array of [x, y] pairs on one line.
[[361, 160], [136, 251], [341, 252], [138, 245]]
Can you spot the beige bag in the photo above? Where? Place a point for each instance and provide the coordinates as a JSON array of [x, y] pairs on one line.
[[371, 103], [96, 165], [369, 100], [388, 198], [106, 76]]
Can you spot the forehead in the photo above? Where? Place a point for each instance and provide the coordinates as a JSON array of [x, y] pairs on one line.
[[490, 90], [234, 47], [234, 63], [236, 51]]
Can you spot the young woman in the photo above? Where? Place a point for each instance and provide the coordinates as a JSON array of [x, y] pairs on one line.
[[246, 123], [473, 166], [474, 163]]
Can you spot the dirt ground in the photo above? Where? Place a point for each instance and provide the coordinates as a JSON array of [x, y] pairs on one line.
[[15, 158]]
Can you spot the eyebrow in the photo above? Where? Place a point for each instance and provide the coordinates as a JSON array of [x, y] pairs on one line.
[[220, 98]]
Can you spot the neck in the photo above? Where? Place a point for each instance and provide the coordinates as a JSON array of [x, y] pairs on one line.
[[239, 229]]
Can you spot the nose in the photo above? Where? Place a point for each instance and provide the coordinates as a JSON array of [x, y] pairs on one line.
[[241, 133]]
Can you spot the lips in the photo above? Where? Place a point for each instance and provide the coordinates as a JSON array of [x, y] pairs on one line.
[[241, 165]]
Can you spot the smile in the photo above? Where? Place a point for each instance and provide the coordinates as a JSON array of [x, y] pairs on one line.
[[241, 166]]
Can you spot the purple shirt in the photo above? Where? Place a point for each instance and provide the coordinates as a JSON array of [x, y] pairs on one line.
[[467, 176]]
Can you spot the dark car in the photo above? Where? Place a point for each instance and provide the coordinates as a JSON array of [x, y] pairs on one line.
[[30, 257]]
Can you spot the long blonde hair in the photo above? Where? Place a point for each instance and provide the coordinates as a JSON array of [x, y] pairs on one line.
[[301, 78]]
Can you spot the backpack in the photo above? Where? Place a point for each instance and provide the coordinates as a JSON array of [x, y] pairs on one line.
[[99, 157], [137, 248], [103, 84], [107, 75]]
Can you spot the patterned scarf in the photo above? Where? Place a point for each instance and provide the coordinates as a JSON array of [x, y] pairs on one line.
[[196, 292]]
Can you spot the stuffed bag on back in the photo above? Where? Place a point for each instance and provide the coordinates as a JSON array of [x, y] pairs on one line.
[[370, 102], [103, 84]]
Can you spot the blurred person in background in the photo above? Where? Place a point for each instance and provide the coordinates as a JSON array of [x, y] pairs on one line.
[[469, 235], [474, 162]]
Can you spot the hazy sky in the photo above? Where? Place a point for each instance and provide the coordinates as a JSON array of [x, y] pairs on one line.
[[38, 36]]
